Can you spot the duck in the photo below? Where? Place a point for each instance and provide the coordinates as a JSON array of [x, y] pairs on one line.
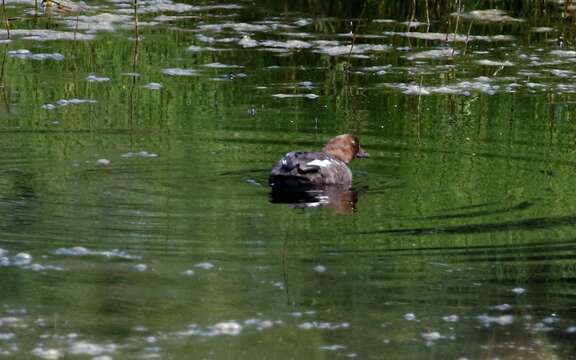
[[301, 169]]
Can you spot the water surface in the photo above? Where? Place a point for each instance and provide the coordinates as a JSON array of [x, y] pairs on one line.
[[135, 219]]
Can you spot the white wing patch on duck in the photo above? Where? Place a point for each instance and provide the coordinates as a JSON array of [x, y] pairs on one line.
[[320, 163]]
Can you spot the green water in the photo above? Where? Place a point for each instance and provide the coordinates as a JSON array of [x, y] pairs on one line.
[[135, 219]]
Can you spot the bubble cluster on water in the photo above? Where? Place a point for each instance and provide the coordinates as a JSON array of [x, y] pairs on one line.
[[82, 251], [25, 261], [227, 328]]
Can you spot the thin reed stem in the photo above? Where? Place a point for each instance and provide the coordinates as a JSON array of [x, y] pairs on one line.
[[136, 18], [6, 18]]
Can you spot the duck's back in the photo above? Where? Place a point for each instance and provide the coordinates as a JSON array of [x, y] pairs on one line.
[[299, 168]]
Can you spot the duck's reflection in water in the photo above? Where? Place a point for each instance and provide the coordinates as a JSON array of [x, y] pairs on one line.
[[338, 199]]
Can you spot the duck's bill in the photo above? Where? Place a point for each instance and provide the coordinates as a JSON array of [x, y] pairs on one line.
[[362, 154]]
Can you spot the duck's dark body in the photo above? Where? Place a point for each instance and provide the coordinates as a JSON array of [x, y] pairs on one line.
[[309, 169]]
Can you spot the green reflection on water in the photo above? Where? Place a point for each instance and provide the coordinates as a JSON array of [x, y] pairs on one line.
[[466, 197]]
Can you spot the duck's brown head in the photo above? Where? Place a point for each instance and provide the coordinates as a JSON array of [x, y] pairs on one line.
[[344, 147]]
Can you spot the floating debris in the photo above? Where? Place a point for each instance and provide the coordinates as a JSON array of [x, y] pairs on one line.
[[82, 251], [103, 162], [48, 354], [285, 96], [194, 48], [66, 102], [188, 272], [247, 42], [450, 37], [357, 51], [562, 73], [28, 55], [205, 266], [261, 324], [487, 320], [485, 62], [143, 154], [323, 325], [47, 35], [170, 7], [451, 318], [218, 65], [153, 86], [434, 54], [48, 106], [289, 44], [94, 78], [92, 349], [503, 307], [334, 347], [432, 336], [518, 291], [410, 316], [319, 268], [462, 88], [179, 72], [489, 15], [227, 328], [100, 22], [141, 267], [21, 259]]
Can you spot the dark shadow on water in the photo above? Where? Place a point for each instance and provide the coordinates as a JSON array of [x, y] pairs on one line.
[[521, 206], [490, 227], [339, 200]]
